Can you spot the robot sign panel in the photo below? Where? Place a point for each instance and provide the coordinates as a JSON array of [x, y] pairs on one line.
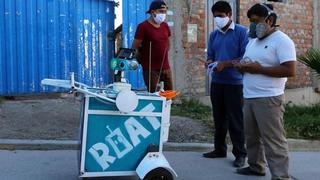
[[120, 142]]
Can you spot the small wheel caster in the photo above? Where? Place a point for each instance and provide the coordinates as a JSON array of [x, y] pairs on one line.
[[159, 174]]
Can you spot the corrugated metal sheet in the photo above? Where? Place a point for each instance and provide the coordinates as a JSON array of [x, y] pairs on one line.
[[134, 12], [51, 38]]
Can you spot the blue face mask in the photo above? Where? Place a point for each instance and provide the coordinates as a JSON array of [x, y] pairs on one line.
[[252, 30]]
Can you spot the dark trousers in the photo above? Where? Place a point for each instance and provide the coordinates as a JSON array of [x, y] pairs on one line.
[[227, 101], [165, 76]]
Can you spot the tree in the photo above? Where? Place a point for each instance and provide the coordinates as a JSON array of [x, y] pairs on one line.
[[312, 59]]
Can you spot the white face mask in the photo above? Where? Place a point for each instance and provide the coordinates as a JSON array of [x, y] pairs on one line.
[[261, 30], [221, 22], [159, 18]]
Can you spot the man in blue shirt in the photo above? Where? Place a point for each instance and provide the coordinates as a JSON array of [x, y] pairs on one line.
[[226, 46]]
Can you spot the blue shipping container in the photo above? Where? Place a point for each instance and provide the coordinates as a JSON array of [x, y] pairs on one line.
[[51, 38]]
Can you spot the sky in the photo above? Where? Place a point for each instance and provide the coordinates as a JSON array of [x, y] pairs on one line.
[[118, 11]]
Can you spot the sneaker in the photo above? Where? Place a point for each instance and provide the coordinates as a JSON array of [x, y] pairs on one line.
[[239, 162], [214, 154], [247, 171]]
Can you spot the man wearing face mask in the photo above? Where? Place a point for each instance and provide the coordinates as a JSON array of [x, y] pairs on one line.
[[152, 44], [226, 46], [271, 59]]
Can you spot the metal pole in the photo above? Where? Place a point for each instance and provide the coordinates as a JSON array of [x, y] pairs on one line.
[[150, 46]]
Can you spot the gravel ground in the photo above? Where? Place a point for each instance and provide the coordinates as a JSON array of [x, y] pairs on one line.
[[58, 119], [184, 129]]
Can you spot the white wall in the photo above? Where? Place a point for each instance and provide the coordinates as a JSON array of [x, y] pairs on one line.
[[302, 96]]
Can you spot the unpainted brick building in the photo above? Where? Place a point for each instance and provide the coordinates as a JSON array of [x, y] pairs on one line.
[[191, 22]]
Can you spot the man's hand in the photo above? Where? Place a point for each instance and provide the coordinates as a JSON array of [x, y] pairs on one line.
[[220, 67], [286, 69], [252, 67], [225, 64], [222, 64], [207, 63]]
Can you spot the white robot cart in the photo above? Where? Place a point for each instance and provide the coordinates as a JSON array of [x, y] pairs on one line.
[[122, 131]]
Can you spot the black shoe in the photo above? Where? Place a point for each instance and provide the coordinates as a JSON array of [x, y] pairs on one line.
[[247, 171], [239, 161], [214, 154], [291, 177]]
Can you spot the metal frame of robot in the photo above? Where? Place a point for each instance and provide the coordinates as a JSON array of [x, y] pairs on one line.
[[150, 162]]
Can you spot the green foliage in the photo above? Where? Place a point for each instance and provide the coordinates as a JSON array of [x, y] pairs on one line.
[[303, 122], [193, 109], [1, 99], [312, 59], [300, 122], [116, 4]]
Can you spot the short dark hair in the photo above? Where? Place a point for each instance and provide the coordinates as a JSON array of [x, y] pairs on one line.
[[221, 6], [262, 10]]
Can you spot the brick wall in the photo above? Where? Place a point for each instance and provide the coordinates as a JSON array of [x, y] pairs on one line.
[[195, 52], [296, 20], [189, 76]]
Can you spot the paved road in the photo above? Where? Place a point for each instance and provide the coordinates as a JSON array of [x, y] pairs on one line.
[[62, 165]]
